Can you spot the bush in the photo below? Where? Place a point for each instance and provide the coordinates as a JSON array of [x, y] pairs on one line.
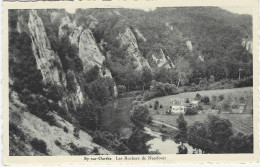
[[95, 151], [244, 83], [156, 104], [161, 106], [57, 143], [76, 132], [135, 102], [100, 138], [65, 129], [205, 100], [214, 98], [55, 92], [77, 150], [39, 145], [187, 101], [198, 96], [147, 95], [191, 111], [199, 107], [121, 88], [139, 98], [221, 97], [150, 106]]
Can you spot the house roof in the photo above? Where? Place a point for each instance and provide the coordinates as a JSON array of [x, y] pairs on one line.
[[194, 102]]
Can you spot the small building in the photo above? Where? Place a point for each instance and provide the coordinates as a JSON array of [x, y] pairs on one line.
[[194, 103], [240, 109], [177, 106]]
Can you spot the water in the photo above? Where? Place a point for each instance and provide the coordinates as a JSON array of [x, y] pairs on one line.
[[166, 146], [116, 118]]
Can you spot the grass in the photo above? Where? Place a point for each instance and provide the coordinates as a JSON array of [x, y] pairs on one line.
[[240, 122]]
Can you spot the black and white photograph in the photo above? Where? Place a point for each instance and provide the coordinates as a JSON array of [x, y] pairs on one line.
[[130, 81]]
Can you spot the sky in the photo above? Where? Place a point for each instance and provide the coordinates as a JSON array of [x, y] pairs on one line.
[[237, 10]]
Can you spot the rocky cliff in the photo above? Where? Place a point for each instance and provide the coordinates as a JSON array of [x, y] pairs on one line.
[[128, 39], [48, 62], [247, 44], [159, 60]]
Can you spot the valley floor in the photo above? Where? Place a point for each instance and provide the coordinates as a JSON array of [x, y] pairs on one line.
[[240, 122]]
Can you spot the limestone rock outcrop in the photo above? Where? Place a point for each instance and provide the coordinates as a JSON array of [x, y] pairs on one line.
[[128, 39], [48, 62], [159, 60], [247, 44]]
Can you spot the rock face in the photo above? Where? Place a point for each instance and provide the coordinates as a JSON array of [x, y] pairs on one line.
[[65, 26], [89, 52], [128, 39], [139, 35], [247, 44], [189, 45], [159, 60], [34, 127], [48, 62]]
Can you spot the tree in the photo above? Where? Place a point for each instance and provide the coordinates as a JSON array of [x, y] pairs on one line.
[[182, 124], [146, 76], [240, 143], [220, 129], [156, 104], [183, 69], [205, 100], [198, 96], [140, 113], [137, 142], [88, 115]]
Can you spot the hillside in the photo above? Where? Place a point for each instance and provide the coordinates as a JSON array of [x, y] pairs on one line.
[[66, 67]]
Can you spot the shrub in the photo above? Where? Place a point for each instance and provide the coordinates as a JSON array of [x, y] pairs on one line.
[[71, 86], [221, 97], [241, 99], [156, 104], [187, 101], [99, 138], [161, 106], [199, 107], [76, 132], [147, 95], [77, 150], [139, 98], [135, 102], [244, 83], [150, 106], [205, 99], [55, 92], [121, 88], [191, 111], [95, 151], [214, 98], [198, 96], [57, 143], [39, 145], [65, 129]]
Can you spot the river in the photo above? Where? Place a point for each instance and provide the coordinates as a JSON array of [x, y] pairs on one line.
[[116, 119]]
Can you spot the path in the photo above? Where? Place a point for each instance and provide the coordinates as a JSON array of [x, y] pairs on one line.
[[165, 125]]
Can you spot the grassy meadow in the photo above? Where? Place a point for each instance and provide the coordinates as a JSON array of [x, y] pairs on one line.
[[240, 122]]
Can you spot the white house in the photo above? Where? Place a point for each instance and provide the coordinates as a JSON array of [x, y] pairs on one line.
[[177, 106], [194, 103]]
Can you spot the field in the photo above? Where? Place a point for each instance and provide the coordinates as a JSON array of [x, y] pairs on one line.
[[240, 122]]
